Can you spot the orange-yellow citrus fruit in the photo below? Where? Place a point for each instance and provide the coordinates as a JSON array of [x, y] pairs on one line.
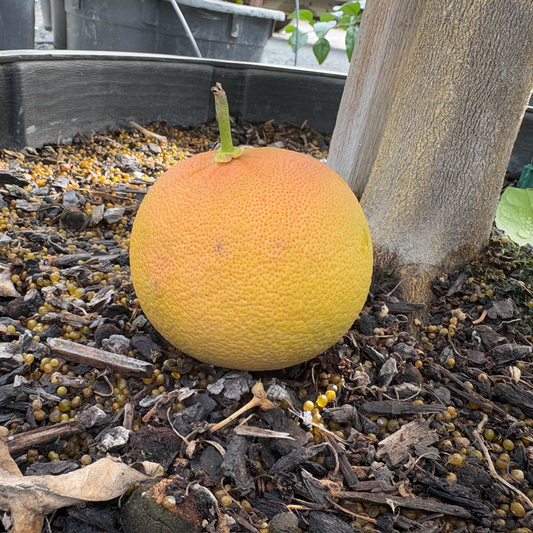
[[257, 264]]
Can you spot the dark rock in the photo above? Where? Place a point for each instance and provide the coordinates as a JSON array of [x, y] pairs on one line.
[[327, 523], [284, 523]]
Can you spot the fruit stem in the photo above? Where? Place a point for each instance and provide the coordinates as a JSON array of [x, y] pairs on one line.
[[227, 151]]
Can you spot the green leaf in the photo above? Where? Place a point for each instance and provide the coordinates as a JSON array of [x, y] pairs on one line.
[[351, 34], [514, 214], [305, 14], [321, 28], [345, 21], [350, 8], [326, 17], [302, 39], [290, 28], [321, 50]]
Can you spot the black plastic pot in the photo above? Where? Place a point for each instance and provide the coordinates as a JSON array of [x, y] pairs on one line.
[[45, 94], [17, 22], [222, 30]]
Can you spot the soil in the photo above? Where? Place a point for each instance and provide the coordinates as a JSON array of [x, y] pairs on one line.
[[431, 422]]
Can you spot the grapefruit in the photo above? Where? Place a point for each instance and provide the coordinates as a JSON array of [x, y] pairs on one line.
[[257, 263]]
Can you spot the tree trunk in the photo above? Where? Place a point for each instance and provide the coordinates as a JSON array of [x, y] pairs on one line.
[[435, 183], [386, 34]]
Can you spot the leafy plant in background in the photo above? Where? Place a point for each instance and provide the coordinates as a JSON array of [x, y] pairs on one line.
[[346, 16]]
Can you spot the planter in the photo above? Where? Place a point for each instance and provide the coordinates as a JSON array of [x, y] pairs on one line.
[[46, 94], [222, 30], [17, 21]]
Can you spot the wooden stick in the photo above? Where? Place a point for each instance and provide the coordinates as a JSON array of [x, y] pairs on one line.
[[35, 437], [79, 353], [408, 503], [148, 133]]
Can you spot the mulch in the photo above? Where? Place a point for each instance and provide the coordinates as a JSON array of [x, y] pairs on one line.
[[431, 424]]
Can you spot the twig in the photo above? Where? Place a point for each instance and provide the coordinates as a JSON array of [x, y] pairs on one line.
[[477, 435], [358, 516], [481, 318], [148, 133], [260, 399]]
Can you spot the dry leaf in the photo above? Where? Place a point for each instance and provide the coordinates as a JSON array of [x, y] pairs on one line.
[[30, 498]]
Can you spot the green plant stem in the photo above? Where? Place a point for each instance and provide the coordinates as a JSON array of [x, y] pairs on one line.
[[227, 151], [222, 111]]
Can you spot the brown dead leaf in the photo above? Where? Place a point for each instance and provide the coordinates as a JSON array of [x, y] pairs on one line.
[[30, 498]]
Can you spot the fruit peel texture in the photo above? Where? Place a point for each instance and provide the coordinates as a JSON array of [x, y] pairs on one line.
[[256, 264]]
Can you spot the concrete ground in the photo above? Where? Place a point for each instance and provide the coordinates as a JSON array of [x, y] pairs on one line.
[[278, 51]]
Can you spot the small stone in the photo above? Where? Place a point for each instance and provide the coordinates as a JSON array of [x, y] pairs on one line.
[[284, 523], [145, 513], [156, 149]]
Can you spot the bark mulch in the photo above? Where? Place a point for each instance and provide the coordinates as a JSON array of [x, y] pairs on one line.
[[429, 431]]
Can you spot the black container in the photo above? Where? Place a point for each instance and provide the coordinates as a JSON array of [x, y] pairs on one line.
[[48, 95], [17, 24], [222, 30]]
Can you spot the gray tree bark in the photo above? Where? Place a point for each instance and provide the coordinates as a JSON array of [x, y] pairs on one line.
[[435, 182], [386, 34]]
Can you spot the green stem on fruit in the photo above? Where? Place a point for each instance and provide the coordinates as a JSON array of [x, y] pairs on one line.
[[227, 151]]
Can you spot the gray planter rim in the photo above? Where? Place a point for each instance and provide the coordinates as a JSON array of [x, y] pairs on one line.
[[11, 56]]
